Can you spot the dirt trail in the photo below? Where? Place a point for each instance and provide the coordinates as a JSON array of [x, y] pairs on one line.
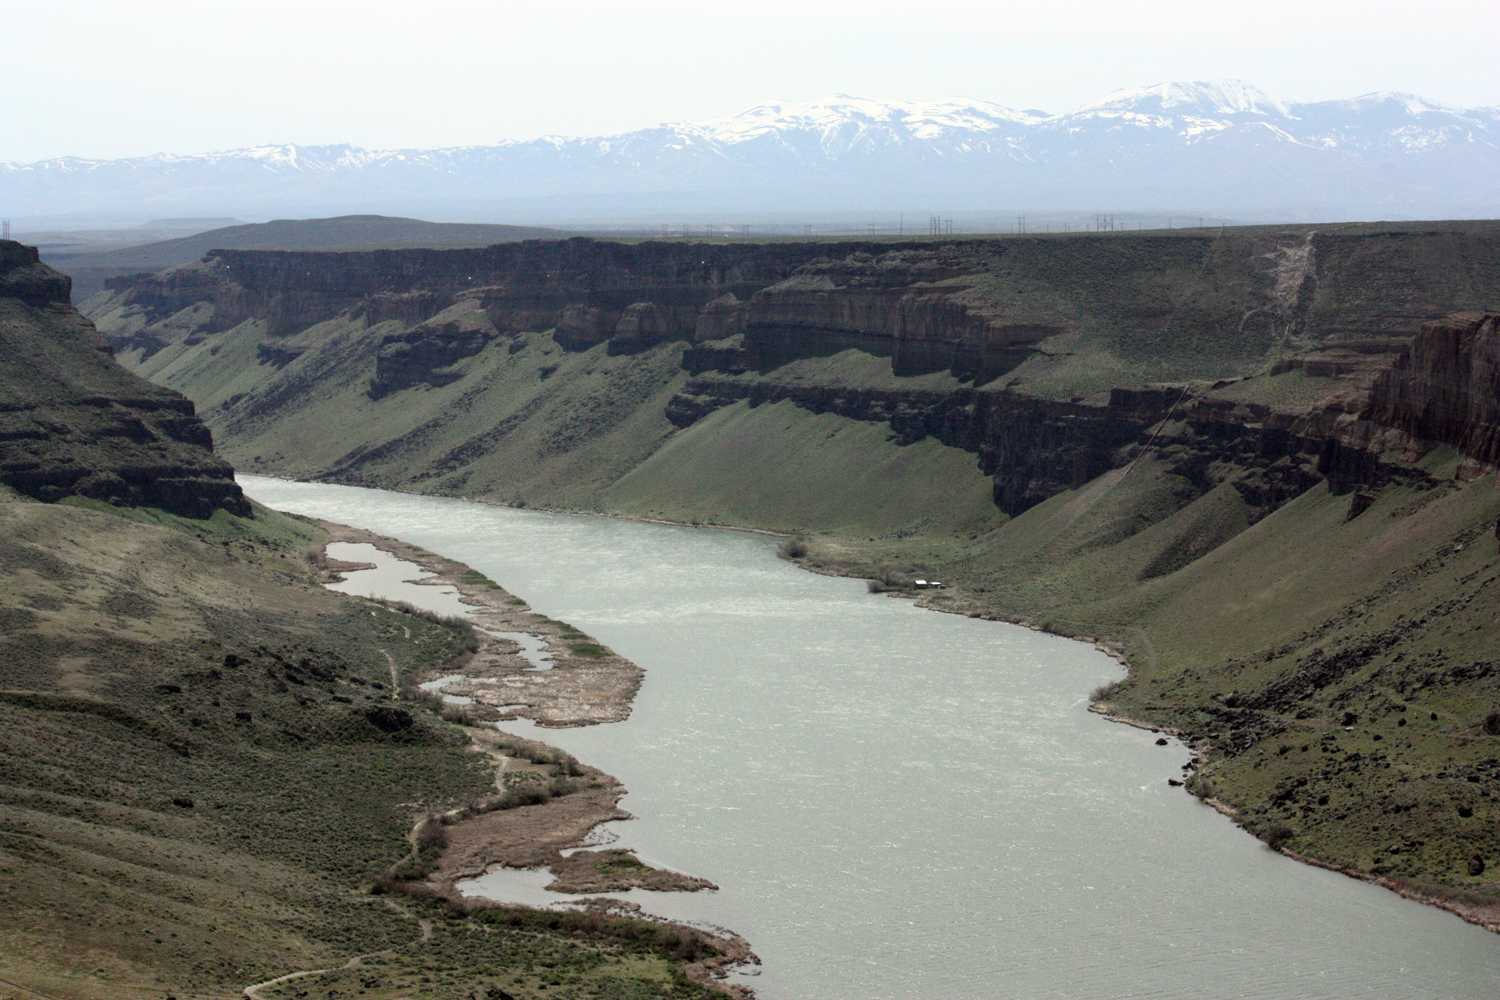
[[424, 934]]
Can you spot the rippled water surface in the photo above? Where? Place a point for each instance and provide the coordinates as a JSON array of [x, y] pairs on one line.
[[902, 804]]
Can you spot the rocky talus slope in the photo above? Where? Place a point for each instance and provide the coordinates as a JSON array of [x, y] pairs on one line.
[[1239, 461]]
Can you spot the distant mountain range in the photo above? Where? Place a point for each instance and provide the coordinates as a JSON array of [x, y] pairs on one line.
[[1219, 147]]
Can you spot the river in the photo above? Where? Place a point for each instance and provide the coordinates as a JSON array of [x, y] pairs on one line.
[[897, 803]]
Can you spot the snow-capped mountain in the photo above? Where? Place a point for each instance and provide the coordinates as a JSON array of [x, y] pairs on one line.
[[1222, 147]]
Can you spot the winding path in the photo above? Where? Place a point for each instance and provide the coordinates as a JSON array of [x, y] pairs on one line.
[[253, 992]]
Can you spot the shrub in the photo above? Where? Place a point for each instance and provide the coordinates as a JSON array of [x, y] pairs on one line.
[[1200, 786], [1275, 834], [463, 626], [430, 833], [794, 548], [1105, 691]]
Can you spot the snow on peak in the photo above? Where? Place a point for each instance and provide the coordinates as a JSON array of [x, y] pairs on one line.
[[1410, 103], [842, 110], [1213, 97]]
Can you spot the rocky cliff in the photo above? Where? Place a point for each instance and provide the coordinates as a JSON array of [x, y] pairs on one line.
[[1240, 461], [1032, 341], [1445, 389], [74, 423]]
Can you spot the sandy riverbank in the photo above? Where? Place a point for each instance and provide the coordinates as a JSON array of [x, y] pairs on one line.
[[585, 684]]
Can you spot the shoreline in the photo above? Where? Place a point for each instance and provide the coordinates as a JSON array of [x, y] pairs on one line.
[[1482, 914], [533, 834]]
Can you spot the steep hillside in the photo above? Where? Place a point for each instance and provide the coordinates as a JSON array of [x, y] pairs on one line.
[[205, 775], [77, 424], [1222, 455]]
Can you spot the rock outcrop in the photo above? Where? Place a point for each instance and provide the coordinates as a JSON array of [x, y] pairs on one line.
[[74, 423], [1446, 388], [1007, 324]]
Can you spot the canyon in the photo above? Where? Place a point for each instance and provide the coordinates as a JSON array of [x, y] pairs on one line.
[[1256, 464], [208, 776]]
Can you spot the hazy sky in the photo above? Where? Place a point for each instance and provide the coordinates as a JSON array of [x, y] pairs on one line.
[[133, 77]]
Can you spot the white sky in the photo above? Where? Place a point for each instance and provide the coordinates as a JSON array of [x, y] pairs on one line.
[[134, 77]]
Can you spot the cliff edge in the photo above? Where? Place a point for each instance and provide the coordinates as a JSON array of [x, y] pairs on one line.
[[75, 423]]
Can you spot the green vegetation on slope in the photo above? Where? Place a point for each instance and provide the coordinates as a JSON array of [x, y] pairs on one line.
[[202, 770], [536, 424], [1258, 612], [1337, 674], [780, 467]]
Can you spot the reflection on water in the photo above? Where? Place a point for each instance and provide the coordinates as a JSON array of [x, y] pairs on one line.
[[897, 803]]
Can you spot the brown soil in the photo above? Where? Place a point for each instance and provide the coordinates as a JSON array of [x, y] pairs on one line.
[[535, 836]]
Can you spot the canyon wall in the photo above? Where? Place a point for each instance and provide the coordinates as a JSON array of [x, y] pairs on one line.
[[74, 423], [1252, 463], [1039, 347]]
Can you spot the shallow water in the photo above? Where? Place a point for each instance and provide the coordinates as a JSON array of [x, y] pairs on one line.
[[902, 804]]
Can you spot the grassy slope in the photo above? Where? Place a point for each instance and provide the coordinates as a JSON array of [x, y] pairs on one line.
[[589, 436], [191, 793], [1223, 617], [538, 425], [779, 467], [1259, 648]]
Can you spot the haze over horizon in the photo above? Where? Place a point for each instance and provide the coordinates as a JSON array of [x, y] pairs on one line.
[[162, 76]]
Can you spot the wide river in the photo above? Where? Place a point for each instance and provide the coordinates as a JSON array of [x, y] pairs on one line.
[[902, 804]]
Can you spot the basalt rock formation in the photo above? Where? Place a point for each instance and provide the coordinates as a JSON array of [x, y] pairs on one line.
[[74, 423], [1446, 388], [1035, 342], [1241, 459]]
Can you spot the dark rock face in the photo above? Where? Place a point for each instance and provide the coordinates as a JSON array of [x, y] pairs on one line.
[[978, 310], [1446, 387], [789, 300], [24, 277], [74, 423], [422, 353], [1033, 448]]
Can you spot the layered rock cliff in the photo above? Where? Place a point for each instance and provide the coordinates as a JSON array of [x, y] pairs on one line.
[[1032, 341], [1235, 460], [1445, 389], [74, 423]]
